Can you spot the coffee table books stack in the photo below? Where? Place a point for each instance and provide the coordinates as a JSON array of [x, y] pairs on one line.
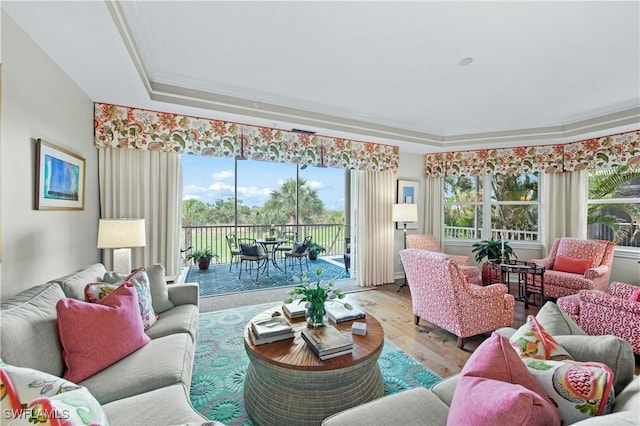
[[327, 342], [295, 309], [338, 313], [270, 330]]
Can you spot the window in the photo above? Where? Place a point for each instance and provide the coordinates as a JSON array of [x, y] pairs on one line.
[[509, 202], [613, 213]]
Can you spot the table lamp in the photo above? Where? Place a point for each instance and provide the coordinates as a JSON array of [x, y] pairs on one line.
[[121, 235]]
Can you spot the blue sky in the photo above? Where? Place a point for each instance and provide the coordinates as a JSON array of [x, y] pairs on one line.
[[210, 178]]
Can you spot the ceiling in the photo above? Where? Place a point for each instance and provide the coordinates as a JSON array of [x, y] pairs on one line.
[[388, 72]]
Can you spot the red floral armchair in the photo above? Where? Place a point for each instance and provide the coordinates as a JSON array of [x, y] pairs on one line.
[[441, 295], [575, 264], [429, 243], [615, 312]]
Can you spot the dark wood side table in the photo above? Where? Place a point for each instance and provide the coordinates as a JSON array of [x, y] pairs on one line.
[[529, 277], [287, 384]]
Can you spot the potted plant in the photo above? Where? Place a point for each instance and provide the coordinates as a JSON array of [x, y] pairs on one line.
[[491, 249], [314, 250], [202, 257]]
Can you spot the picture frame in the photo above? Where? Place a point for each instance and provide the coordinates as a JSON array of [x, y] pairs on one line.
[[407, 193], [60, 178]]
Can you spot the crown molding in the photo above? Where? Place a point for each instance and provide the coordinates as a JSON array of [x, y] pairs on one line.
[[189, 97]]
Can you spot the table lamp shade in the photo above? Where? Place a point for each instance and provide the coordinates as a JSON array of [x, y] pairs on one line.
[[404, 213], [121, 234]]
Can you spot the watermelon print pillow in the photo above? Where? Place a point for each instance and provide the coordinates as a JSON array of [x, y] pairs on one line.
[[532, 341]]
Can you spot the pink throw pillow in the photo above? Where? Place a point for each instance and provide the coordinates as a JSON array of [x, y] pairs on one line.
[[571, 264], [496, 388], [635, 295], [95, 335]]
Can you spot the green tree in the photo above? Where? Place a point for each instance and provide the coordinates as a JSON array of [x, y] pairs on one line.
[[283, 199], [194, 213]]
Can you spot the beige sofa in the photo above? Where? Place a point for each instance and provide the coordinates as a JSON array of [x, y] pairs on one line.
[[431, 406], [149, 386]]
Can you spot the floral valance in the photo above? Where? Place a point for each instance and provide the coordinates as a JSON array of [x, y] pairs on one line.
[[605, 151], [134, 128]]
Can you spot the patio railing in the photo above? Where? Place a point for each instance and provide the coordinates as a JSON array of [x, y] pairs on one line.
[[330, 236], [476, 234]]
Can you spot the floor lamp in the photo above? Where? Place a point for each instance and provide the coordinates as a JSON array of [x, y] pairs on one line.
[[404, 213], [121, 235]]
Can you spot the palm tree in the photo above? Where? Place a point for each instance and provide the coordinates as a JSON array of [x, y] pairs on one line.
[[309, 204], [612, 183]]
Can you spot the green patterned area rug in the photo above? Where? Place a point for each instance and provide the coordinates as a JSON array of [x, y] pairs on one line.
[[221, 363]]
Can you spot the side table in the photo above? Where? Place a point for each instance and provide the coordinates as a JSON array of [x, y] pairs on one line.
[[529, 278]]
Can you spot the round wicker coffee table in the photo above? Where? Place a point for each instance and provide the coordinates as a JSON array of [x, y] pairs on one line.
[[287, 384]]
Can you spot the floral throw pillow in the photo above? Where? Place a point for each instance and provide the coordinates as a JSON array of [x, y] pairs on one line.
[[140, 281], [31, 397], [532, 341], [579, 389]]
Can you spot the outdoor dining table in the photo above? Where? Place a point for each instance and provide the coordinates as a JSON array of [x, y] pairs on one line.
[[275, 243]]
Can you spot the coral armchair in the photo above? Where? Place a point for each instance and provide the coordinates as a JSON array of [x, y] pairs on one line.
[[441, 295], [575, 264], [429, 243], [597, 312]]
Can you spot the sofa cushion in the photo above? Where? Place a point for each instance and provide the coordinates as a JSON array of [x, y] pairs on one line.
[[162, 362], [406, 408], [582, 249], [159, 291], [95, 335], [571, 264], [532, 341], [495, 388], [616, 353], [635, 295], [42, 393], [556, 321], [180, 319], [29, 336], [73, 284], [579, 389]]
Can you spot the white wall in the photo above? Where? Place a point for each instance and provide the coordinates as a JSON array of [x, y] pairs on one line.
[[40, 101]]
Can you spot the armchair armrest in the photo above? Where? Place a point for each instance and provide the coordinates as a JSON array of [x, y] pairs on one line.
[[493, 290], [458, 259], [185, 293], [547, 262], [596, 272], [622, 290], [614, 303]]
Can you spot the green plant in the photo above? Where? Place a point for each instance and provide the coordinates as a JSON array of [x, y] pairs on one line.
[[491, 249], [205, 253], [315, 249], [315, 294]]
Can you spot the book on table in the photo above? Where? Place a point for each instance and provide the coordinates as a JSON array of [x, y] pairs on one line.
[[270, 339], [269, 327], [295, 309], [338, 313], [327, 340]]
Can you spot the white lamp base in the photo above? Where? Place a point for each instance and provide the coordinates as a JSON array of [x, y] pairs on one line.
[[122, 260]]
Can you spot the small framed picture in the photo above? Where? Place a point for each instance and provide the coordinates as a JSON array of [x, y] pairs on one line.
[[60, 178], [407, 194]]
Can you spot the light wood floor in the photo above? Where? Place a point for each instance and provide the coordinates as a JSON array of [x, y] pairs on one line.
[[433, 346]]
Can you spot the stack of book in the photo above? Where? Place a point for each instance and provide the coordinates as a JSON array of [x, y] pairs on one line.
[[327, 342], [270, 330], [294, 309], [338, 313]]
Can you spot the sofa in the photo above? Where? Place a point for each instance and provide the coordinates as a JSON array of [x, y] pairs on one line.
[[150, 385], [432, 406]]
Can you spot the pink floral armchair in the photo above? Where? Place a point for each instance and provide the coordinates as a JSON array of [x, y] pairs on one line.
[[597, 312], [575, 264], [429, 243], [441, 295]]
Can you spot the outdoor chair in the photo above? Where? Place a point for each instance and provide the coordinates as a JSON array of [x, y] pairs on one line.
[[441, 295], [347, 254], [299, 251], [234, 248], [252, 252], [290, 236], [429, 243], [575, 264]]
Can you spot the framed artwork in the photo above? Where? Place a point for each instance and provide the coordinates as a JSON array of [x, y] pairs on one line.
[[407, 194], [60, 178]]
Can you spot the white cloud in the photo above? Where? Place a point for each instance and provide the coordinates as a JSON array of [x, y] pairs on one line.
[[221, 187], [225, 174], [314, 184], [189, 189], [191, 197]]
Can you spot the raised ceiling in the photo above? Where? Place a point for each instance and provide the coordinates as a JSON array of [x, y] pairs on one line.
[[382, 71]]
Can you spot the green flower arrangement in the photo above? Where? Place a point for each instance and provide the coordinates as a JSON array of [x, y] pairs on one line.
[[315, 294]]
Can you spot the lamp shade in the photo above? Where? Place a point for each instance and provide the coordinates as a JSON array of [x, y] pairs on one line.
[[404, 213], [121, 233]]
